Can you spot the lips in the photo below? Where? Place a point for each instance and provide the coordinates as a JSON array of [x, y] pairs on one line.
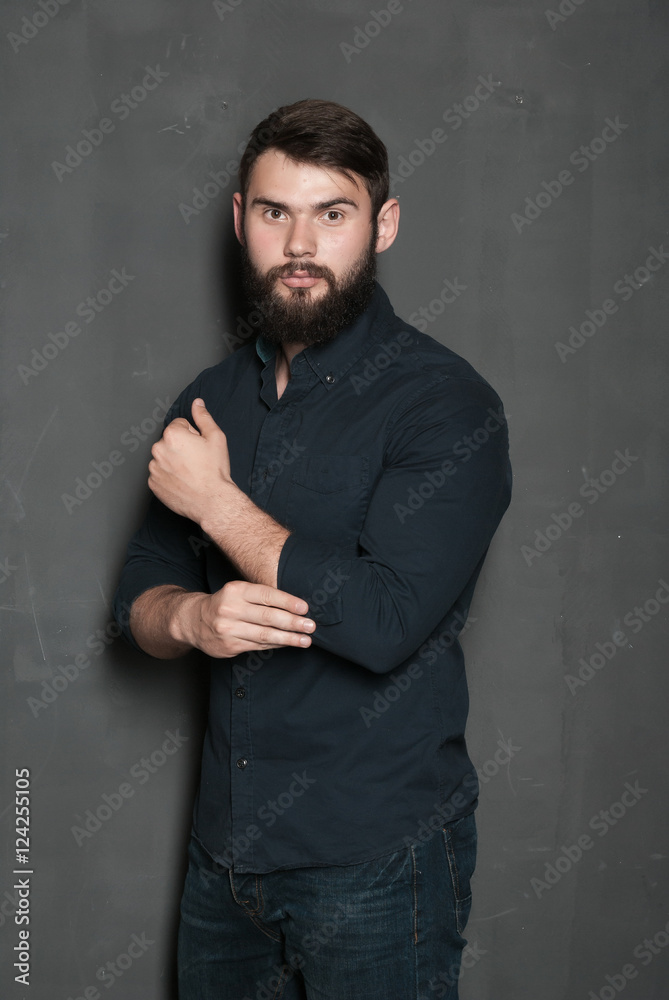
[[297, 280]]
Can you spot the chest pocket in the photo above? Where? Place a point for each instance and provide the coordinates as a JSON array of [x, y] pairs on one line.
[[328, 497]]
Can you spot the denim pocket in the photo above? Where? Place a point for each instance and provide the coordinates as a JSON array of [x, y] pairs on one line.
[[460, 840]]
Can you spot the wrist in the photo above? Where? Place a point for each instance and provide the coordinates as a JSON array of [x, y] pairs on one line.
[[183, 618], [219, 510]]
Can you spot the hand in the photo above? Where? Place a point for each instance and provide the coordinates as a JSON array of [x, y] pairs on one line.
[[190, 468], [240, 617]]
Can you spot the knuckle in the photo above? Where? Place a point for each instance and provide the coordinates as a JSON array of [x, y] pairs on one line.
[[266, 615]]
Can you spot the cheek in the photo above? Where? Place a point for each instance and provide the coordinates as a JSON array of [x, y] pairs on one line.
[[264, 246], [341, 250]]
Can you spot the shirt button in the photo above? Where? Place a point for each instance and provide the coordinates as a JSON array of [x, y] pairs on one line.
[[240, 692], [330, 378], [241, 763]]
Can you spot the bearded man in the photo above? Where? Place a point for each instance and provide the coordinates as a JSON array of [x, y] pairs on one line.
[[323, 502]]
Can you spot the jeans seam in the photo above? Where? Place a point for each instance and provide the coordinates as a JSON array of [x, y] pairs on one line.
[[450, 854], [263, 927], [259, 895], [242, 902], [455, 881], [278, 993]]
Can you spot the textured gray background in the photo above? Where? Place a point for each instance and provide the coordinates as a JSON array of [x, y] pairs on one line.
[[555, 80]]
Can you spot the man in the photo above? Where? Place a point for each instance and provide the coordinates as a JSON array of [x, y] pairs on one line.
[[324, 499]]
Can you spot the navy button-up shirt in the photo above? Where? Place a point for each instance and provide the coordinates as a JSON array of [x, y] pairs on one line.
[[387, 459]]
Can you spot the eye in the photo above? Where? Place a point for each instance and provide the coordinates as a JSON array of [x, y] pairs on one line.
[[272, 210], [334, 211]]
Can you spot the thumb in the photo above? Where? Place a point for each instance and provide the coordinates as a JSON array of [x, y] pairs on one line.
[[203, 418]]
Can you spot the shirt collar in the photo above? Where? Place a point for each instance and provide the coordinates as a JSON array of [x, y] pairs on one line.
[[331, 361], [264, 349]]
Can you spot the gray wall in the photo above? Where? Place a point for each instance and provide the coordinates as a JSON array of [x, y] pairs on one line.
[[546, 923]]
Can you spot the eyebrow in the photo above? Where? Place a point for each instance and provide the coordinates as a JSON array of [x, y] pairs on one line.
[[318, 207]]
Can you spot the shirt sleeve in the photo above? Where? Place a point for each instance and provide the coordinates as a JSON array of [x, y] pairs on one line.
[[166, 549], [432, 514]]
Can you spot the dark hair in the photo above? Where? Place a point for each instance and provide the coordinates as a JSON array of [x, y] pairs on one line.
[[325, 134]]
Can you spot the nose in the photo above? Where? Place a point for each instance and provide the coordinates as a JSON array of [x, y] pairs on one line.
[[300, 240]]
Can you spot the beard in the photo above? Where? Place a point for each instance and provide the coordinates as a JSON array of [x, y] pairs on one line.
[[299, 319]]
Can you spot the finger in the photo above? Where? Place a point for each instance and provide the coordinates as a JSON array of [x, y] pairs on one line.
[[261, 637], [181, 422], [274, 619], [279, 609], [268, 617], [273, 638], [203, 418], [258, 604], [260, 593]]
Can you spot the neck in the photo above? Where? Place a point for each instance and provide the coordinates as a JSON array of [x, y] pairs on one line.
[[289, 351], [284, 356]]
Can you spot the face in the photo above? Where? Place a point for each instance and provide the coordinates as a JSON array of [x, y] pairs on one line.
[[309, 247]]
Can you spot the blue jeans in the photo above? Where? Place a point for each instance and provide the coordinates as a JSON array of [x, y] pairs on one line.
[[387, 929]]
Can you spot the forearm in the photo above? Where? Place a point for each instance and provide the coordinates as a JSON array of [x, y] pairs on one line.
[[250, 538], [161, 620]]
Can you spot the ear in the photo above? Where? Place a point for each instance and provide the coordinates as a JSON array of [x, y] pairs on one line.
[[388, 222], [237, 208]]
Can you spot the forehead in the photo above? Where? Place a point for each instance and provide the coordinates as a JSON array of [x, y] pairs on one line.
[[277, 177]]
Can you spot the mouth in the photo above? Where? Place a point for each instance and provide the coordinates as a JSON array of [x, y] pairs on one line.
[[300, 279]]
